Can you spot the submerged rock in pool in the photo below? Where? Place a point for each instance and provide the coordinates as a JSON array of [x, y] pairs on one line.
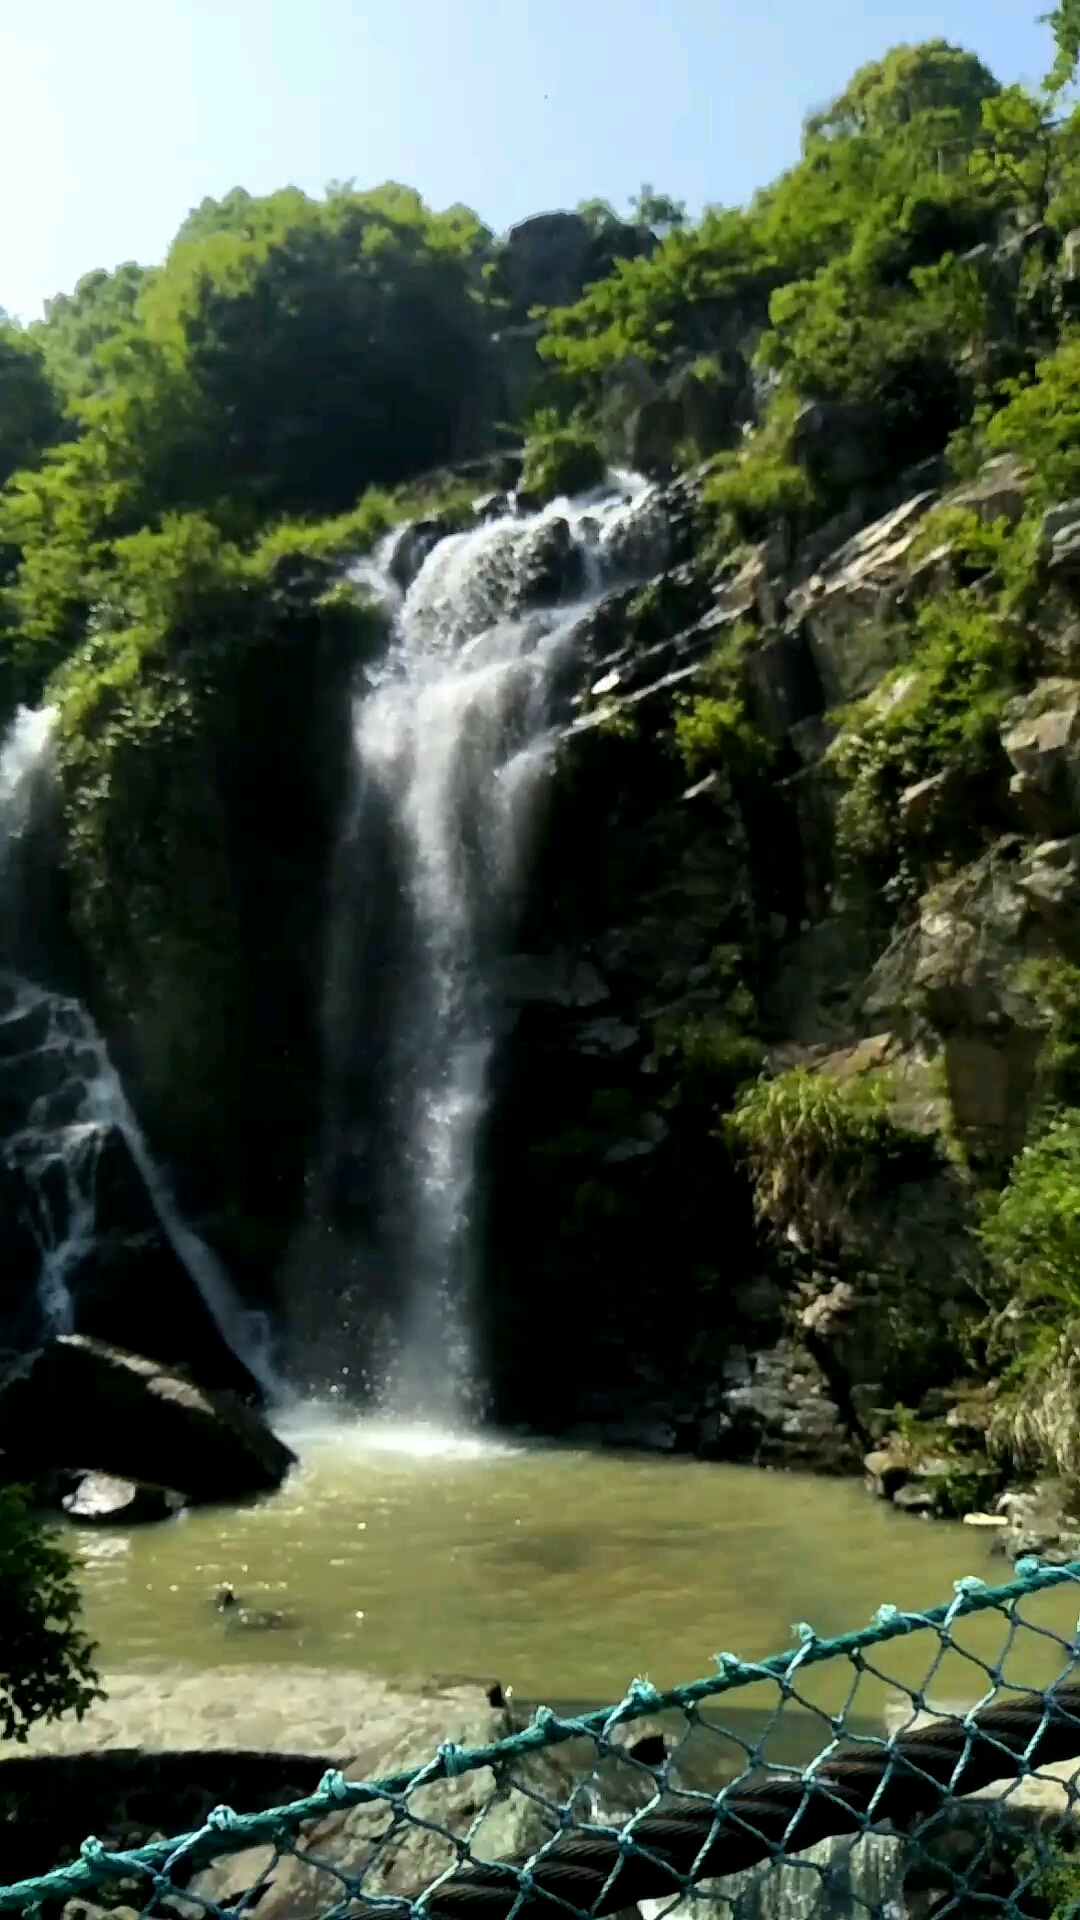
[[100, 1499], [266, 1619]]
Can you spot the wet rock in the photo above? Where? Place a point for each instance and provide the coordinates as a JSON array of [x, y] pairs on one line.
[[915, 1496], [411, 548], [886, 1472], [651, 1133], [99, 1499], [644, 538], [491, 506], [607, 1037], [1038, 1521], [81, 1404], [556, 979], [549, 567], [783, 1413]]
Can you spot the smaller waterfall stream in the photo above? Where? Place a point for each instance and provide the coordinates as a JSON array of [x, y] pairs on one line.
[[452, 740], [62, 1102]]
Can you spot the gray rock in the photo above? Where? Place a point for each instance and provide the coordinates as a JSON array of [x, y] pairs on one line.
[[608, 1036], [501, 1821], [652, 1132], [996, 494], [915, 1497], [415, 540], [1058, 519], [1050, 878], [552, 979], [1042, 741], [886, 1473], [102, 1500]]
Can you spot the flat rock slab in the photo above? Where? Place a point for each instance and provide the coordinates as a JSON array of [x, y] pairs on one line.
[[342, 1717]]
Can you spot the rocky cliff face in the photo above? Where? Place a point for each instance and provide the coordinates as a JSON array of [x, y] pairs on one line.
[[675, 926], [686, 924]]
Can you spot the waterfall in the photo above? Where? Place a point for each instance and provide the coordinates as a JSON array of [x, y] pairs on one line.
[[62, 1103], [452, 739]]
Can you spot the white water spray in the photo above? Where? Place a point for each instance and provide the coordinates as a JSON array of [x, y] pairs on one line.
[[452, 740]]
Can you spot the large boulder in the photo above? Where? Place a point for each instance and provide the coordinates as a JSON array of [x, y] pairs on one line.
[[81, 1404], [547, 260]]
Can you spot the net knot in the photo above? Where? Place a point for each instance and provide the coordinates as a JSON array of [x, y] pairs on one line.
[[1027, 1565], [968, 1583], [333, 1786], [454, 1759], [93, 1851], [641, 1693], [223, 1820]]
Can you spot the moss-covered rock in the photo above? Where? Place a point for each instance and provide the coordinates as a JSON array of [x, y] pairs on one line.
[[560, 460], [202, 749]]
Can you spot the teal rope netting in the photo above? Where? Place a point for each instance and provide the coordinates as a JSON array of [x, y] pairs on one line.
[[950, 1812]]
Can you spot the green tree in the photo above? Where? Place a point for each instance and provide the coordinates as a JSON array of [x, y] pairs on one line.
[[46, 1663], [324, 348], [658, 211], [31, 417], [77, 325], [1064, 22], [907, 84], [1017, 155]]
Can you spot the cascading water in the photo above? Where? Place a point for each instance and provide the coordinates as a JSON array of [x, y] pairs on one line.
[[452, 738], [61, 1101]]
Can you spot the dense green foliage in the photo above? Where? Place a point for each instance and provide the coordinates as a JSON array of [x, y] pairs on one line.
[[869, 277], [46, 1662], [816, 1146], [288, 356], [1031, 1231], [559, 459]]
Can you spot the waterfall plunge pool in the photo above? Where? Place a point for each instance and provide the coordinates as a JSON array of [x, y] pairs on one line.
[[414, 1555]]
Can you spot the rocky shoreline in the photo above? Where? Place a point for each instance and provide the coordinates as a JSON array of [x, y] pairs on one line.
[[133, 1794]]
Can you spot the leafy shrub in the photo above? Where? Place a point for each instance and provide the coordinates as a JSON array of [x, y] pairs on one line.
[[560, 458], [757, 486], [1051, 986], [816, 1147], [941, 713], [717, 733], [46, 1663], [1040, 424], [1031, 1232]]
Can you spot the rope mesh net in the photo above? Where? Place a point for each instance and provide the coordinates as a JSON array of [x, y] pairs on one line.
[[928, 1764]]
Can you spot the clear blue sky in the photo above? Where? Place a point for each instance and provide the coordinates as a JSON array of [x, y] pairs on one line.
[[116, 116]]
